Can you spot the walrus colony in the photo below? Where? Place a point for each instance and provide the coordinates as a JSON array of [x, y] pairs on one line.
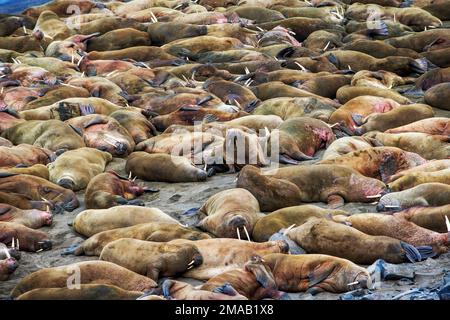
[[108, 106]]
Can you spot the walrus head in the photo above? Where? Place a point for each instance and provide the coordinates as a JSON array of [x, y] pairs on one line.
[[58, 197], [262, 273], [7, 267]]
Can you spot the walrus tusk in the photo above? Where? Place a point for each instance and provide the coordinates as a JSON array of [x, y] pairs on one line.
[[288, 229], [447, 223], [73, 59], [237, 103], [111, 73], [129, 176], [374, 196], [134, 179], [25, 30], [7, 253], [18, 246], [374, 203], [260, 29], [238, 233], [79, 61], [39, 250], [246, 233], [191, 263], [247, 71], [352, 283], [326, 47], [392, 207], [300, 66], [13, 245]]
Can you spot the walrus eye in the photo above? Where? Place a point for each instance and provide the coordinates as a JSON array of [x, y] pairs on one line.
[[46, 189]]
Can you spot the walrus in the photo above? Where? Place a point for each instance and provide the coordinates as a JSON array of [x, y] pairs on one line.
[[119, 39], [271, 223], [165, 32], [50, 134], [24, 154], [426, 145], [379, 49], [437, 96], [75, 168], [31, 192], [136, 124], [60, 69], [258, 122], [84, 292], [177, 290], [62, 8], [152, 259], [433, 126], [380, 79], [163, 167], [287, 108], [427, 195], [223, 255], [201, 44], [429, 166], [300, 138], [325, 86], [432, 78], [316, 273], [91, 222], [347, 93], [291, 186], [90, 272], [5, 143], [139, 53], [33, 219], [431, 218], [52, 26], [38, 170], [103, 133], [323, 236], [20, 44], [224, 215], [397, 227], [378, 162], [69, 49], [417, 41], [254, 281], [108, 189], [362, 106], [71, 108], [151, 231], [101, 88], [346, 145], [189, 115], [29, 239], [56, 94], [7, 267], [10, 23], [415, 178], [396, 117]]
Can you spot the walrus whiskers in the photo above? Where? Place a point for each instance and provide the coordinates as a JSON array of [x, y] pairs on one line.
[[238, 233], [246, 233]]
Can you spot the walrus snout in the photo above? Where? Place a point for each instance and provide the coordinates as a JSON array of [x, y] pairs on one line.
[[11, 265], [237, 222], [198, 259], [45, 245], [121, 148], [67, 183]]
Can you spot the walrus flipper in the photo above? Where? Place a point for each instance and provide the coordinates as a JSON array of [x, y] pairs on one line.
[[7, 174], [411, 252], [226, 289], [319, 274], [388, 167], [426, 252], [71, 250], [191, 212], [335, 201]]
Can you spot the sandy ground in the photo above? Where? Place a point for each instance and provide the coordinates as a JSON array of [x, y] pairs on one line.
[[176, 198]]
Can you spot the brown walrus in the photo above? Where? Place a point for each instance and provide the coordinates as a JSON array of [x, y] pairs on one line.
[[222, 255], [347, 93], [300, 138], [324, 236], [414, 178], [431, 218], [427, 195], [166, 32], [283, 218], [51, 134], [152, 259], [316, 273], [119, 39], [163, 167], [104, 133], [109, 189], [5, 143], [90, 222], [177, 290], [396, 117], [136, 124], [52, 26], [84, 292], [75, 168], [31, 192], [62, 7], [151, 231], [438, 97], [38, 170], [426, 145], [378, 162], [434, 126], [29, 240], [229, 211], [346, 145], [397, 227], [291, 186], [33, 219], [57, 94], [89, 272]]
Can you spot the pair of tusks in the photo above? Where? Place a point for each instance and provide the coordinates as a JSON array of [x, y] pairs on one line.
[[130, 177], [246, 233], [191, 265], [15, 244], [153, 17], [339, 13], [16, 61]]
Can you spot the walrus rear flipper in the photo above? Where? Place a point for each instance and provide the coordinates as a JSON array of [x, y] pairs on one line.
[[227, 289], [426, 252], [358, 119], [406, 3], [167, 284], [382, 30], [251, 106], [7, 174], [411, 252], [286, 53], [73, 249], [388, 167]]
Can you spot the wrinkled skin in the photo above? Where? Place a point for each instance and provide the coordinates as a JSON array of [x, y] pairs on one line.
[[7, 267], [24, 154], [29, 240], [33, 219]]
